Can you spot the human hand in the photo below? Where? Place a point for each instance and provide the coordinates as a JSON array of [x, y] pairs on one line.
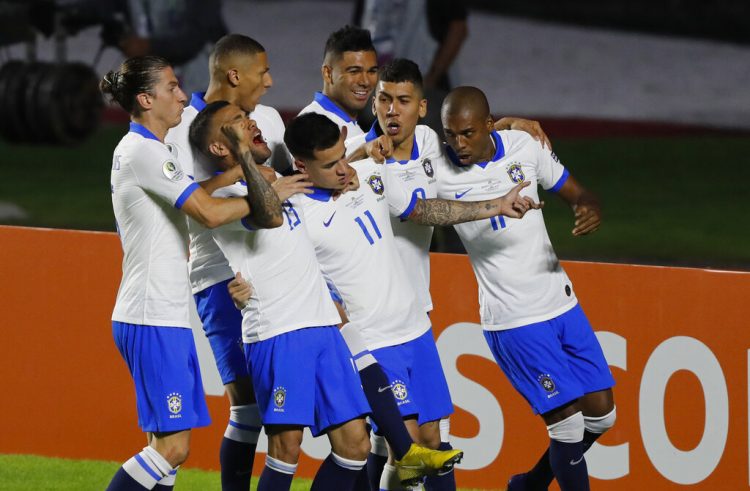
[[514, 205], [379, 149], [588, 217], [240, 291], [290, 185], [528, 125]]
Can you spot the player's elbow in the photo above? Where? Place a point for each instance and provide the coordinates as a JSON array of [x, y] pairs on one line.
[[272, 221]]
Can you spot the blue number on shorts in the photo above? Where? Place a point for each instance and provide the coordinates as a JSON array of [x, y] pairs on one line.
[[497, 222], [289, 210], [364, 227]]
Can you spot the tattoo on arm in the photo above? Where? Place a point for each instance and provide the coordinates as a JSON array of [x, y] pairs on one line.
[[446, 212], [265, 207]]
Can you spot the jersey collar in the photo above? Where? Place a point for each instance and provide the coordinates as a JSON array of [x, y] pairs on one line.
[[197, 100], [499, 152], [320, 194], [332, 107], [374, 132], [142, 130]]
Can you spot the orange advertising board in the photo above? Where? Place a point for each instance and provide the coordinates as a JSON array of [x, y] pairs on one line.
[[677, 339]]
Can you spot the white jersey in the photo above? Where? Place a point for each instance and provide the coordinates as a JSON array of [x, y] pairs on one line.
[[207, 264], [520, 278], [321, 104], [356, 250], [289, 292], [148, 189], [405, 182]]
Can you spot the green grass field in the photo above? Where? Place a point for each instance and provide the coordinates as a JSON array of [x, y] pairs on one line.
[[33, 473], [666, 200]]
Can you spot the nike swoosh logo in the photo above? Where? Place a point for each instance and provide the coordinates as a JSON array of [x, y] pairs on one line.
[[328, 222], [576, 462], [383, 389], [460, 195]]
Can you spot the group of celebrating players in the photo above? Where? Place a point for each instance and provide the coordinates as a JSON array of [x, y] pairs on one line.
[[308, 262]]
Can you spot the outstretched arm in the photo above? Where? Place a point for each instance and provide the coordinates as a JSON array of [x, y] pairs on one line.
[[447, 212], [588, 212]]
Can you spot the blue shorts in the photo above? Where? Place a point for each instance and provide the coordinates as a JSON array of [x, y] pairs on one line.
[[164, 366], [554, 362], [307, 378], [417, 378], [222, 323]]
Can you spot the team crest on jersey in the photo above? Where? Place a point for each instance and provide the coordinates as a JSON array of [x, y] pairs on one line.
[[279, 398], [172, 170], [174, 403], [376, 184], [516, 173], [427, 166], [399, 391]]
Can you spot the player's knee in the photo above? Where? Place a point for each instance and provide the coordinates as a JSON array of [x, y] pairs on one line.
[[355, 447], [285, 446], [600, 424], [177, 453], [569, 430]]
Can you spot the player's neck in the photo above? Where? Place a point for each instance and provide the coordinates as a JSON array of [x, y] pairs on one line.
[[489, 150], [155, 126], [220, 92], [403, 150], [352, 114]]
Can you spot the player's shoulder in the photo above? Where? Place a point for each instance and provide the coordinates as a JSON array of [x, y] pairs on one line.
[[266, 112], [367, 166], [138, 148], [354, 142], [516, 140]]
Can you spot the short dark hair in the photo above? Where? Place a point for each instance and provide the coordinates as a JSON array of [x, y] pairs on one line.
[[348, 38], [401, 70], [232, 44], [201, 126], [310, 132], [135, 76]]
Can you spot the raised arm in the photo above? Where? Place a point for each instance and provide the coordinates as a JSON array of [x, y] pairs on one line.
[[447, 212], [588, 212], [265, 206]]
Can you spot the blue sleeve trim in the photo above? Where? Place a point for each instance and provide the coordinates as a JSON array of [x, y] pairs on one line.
[[185, 195], [560, 182], [411, 206], [246, 223]]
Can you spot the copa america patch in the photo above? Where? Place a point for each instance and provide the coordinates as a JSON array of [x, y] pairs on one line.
[[174, 403], [172, 170], [279, 397], [376, 184], [427, 166], [516, 173]]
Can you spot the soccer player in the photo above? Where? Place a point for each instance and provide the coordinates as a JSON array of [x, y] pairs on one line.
[[240, 74], [531, 318], [150, 322], [350, 72], [301, 368], [355, 247], [409, 172]]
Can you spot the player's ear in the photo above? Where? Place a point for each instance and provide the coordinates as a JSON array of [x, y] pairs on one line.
[[327, 73], [144, 100], [300, 165], [218, 149], [490, 124], [233, 77], [423, 108], [344, 131]]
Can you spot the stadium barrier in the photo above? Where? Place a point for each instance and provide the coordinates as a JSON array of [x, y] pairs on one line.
[[677, 340]]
